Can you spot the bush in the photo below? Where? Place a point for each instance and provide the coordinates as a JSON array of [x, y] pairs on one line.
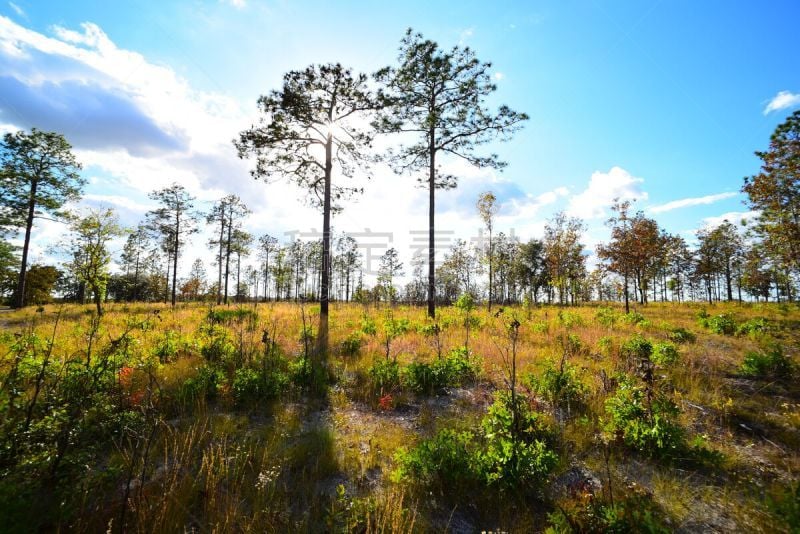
[[446, 458], [772, 362], [251, 385], [632, 513], [351, 344], [368, 326], [515, 457], [501, 455], [605, 344], [645, 421], [229, 316], [634, 318], [569, 319], [219, 347], [753, 328], [384, 376], [454, 370], [205, 385], [681, 335], [607, 316], [560, 386], [664, 354], [723, 324], [636, 348], [167, 347]]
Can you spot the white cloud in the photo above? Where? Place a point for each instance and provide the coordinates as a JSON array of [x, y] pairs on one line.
[[783, 100], [738, 218], [603, 188], [693, 201], [238, 4], [18, 10], [499, 76]]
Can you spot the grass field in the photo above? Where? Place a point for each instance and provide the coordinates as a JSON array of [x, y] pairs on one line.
[[670, 418]]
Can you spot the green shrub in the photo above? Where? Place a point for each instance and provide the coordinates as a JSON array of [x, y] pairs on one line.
[[368, 326], [224, 316], [167, 347], [723, 324], [219, 347], [605, 344], [205, 385], [771, 362], [515, 458], [384, 376], [607, 316], [681, 335], [559, 385], [664, 354], [251, 385], [631, 513], [448, 457], [645, 424], [453, 370], [502, 455], [636, 348], [634, 318], [540, 327], [351, 344], [753, 328], [569, 319]]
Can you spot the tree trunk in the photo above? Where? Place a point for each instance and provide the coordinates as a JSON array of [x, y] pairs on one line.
[[490, 268], [431, 214], [322, 334], [175, 254], [19, 297], [219, 256], [228, 255]]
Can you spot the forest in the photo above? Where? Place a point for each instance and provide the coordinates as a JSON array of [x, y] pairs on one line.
[[503, 385]]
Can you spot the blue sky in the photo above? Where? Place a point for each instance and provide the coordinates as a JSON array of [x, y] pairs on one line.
[[664, 101]]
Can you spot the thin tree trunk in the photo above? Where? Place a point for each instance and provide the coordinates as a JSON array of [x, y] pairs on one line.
[[431, 215], [19, 297]]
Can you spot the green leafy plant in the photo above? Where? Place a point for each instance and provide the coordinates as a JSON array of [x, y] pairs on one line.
[[769, 362], [664, 354], [681, 335], [644, 419]]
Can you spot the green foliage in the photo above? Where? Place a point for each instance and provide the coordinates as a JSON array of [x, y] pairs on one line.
[[644, 419], [681, 335], [753, 328], [351, 345], [368, 326], [227, 316], [218, 347], [509, 453], [384, 376], [252, 385], [515, 454], [205, 385], [784, 503], [465, 303], [446, 458], [664, 354], [569, 319], [634, 318], [607, 316], [560, 385], [636, 348], [605, 344], [455, 369], [723, 324], [540, 327], [770, 362], [632, 513], [167, 347]]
